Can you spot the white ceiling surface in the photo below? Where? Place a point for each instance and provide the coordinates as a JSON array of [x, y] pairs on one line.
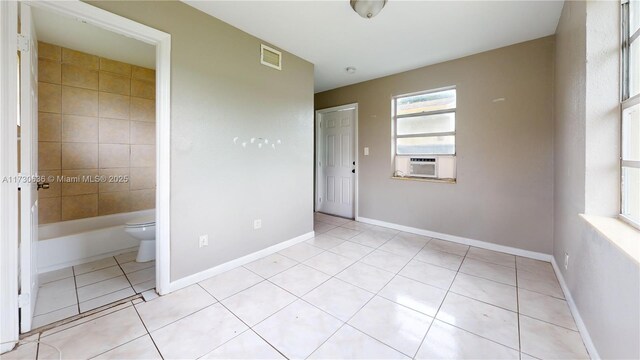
[[405, 35], [73, 34]]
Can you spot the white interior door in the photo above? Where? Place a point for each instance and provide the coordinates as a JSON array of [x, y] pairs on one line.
[[336, 163], [28, 47]]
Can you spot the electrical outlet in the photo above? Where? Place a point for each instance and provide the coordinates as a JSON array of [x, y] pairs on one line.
[[366, 151], [257, 224], [566, 261], [204, 240]]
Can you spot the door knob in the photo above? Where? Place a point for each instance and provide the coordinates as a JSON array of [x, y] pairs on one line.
[[353, 171], [42, 185]]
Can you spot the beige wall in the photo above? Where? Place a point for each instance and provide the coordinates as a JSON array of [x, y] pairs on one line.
[[503, 193], [96, 118], [604, 282], [219, 90]]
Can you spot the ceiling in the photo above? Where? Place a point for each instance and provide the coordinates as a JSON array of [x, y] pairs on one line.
[[73, 34], [405, 35]]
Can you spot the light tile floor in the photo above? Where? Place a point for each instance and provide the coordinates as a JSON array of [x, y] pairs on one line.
[[366, 293], [70, 291]]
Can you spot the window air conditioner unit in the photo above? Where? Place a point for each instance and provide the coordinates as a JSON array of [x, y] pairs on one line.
[[426, 167]]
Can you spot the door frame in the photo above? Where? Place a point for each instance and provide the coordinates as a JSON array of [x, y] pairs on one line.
[[28, 195], [8, 167], [356, 153], [8, 144]]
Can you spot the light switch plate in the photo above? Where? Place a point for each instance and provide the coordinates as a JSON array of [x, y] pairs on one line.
[[366, 151], [204, 240]]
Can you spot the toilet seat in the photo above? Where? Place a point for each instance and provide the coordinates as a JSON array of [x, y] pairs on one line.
[[145, 221]]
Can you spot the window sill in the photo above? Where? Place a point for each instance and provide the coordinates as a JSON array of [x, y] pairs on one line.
[[419, 179], [623, 235]]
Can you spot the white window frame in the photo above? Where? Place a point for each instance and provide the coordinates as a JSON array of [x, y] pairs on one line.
[[395, 117], [626, 101]]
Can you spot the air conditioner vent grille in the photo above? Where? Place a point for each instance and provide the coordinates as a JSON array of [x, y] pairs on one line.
[[270, 57]]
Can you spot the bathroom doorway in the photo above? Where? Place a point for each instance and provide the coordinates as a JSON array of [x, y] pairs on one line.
[[96, 147]]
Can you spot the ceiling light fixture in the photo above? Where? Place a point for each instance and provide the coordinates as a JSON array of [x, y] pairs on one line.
[[368, 8], [351, 70]]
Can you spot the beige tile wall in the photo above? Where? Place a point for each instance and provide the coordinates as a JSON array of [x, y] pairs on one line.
[[96, 117]]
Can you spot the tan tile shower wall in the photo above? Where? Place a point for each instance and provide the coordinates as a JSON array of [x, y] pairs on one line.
[[96, 117]]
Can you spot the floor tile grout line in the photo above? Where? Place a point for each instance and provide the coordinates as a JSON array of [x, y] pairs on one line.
[[492, 263], [549, 323], [52, 311], [98, 269], [123, 344], [126, 276], [457, 327], [434, 318], [344, 323], [387, 283], [109, 293], [482, 301], [147, 329], [52, 281], [75, 285], [357, 311], [38, 346], [249, 327], [322, 310], [84, 322], [473, 333], [187, 315], [484, 278], [99, 281], [352, 316], [376, 294]]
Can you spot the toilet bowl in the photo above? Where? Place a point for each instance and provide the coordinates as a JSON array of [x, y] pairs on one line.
[[144, 229]]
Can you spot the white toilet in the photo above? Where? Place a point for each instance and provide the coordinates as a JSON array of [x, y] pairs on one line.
[[144, 228]]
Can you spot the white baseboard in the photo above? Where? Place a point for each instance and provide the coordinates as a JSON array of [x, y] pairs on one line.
[[460, 240], [582, 328], [83, 247], [203, 275]]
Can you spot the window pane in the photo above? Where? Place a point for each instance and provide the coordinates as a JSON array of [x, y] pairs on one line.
[[634, 68], [428, 145], [440, 100], [427, 124], [631, 193], [631, 133]]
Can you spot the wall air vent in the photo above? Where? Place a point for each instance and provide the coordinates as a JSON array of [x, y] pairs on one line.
[[270, 57]]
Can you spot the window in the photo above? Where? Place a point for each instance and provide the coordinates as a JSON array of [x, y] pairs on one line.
[[630, 147], [425, 128]]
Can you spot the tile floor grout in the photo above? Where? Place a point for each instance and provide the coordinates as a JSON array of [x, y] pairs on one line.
[[249, 327], [147, 329], [377, 293], [75, 285], [76, 289], [394, 274], [516, 287], [441, 303]]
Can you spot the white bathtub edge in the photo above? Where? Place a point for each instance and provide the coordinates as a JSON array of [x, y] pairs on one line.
[[65, 251]]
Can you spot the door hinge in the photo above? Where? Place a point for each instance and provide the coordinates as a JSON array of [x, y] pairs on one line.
[[23, 43], [23, 300]]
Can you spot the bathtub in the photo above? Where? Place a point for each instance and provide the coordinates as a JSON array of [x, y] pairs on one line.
[[74, 242]]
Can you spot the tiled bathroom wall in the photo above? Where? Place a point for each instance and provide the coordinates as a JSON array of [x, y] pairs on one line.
[[96, 118]]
